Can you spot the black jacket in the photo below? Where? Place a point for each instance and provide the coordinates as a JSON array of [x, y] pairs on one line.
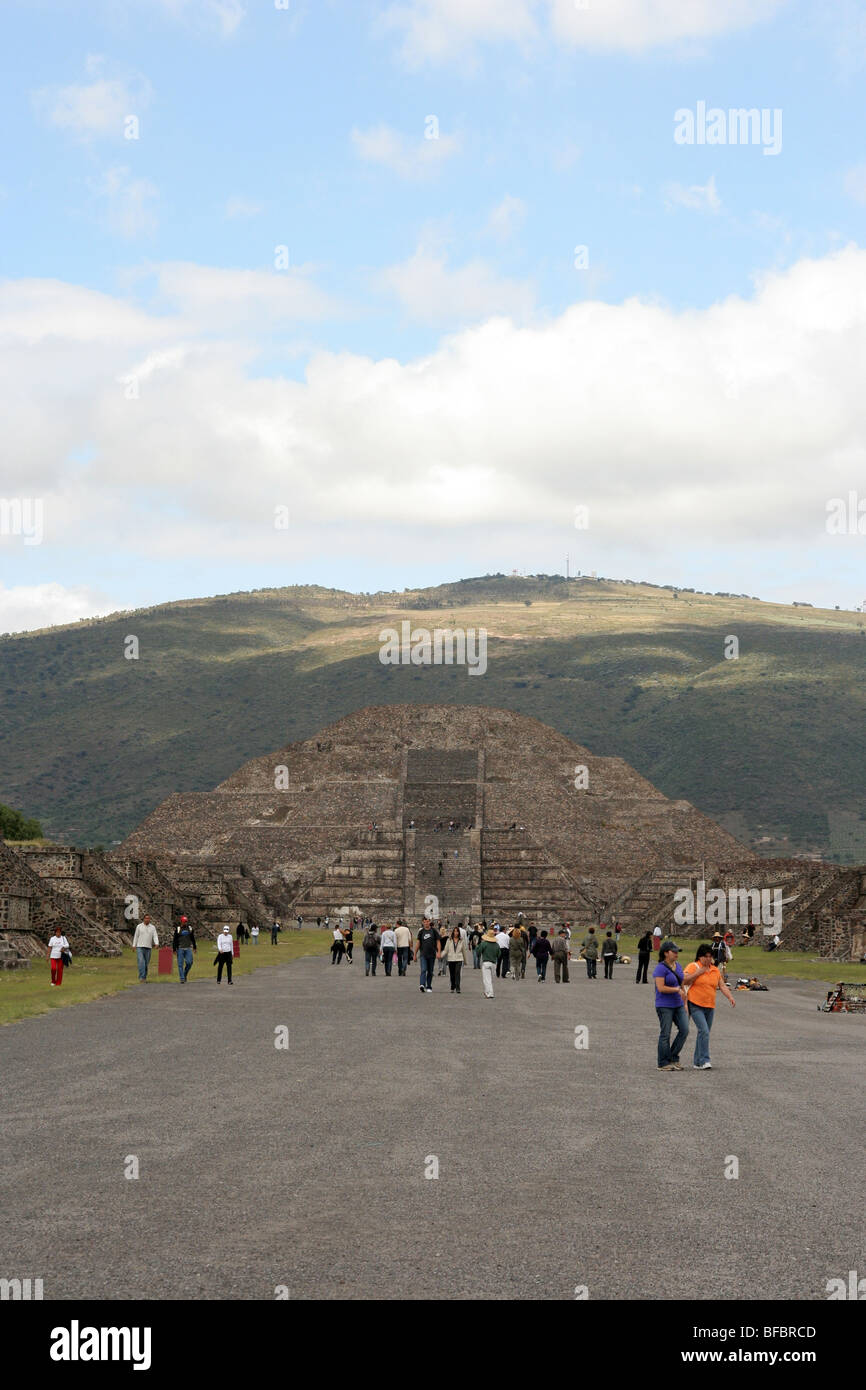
[[183, 936]]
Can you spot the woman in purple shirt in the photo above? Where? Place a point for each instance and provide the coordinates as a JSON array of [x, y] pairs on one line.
[[670, 1007]]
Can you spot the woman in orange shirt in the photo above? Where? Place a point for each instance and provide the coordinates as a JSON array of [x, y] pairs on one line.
[[702, 978]]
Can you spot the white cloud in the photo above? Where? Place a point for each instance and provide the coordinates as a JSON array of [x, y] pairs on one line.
[[506, 217], [855, 183], [698, 197], [435, 30], [726, 427], [223, 16], [211, 297], [97, 108], [25, 607], [130, 202], [431, 292], [640, 24], [410, 158], [239, 207]]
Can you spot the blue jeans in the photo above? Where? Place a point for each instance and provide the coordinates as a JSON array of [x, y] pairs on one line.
[[370, 959], [670, 1051], [476, 957], [427, 963], [184, 961], [541, 968], [703, 1023], [143, 953]]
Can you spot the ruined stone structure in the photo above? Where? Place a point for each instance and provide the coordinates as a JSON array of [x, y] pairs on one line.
[[358, 817], [356, 820]]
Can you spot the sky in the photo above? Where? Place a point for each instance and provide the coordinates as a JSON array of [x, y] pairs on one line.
[[376, 295]]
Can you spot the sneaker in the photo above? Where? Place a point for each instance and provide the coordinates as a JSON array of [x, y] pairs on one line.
[[706, 1066], [676, 1066], [669, 1066], [421, 987]]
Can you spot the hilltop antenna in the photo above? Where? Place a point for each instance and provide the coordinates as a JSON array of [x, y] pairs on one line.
[[567, 560]]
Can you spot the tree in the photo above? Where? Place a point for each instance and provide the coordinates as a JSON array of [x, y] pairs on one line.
[[14, 826]]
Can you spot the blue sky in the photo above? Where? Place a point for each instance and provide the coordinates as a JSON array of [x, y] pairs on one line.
[[431, 385]]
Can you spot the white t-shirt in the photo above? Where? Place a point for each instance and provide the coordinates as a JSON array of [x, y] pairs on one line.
[[501, 939], [224, 941], [338, 935], [388, 938], [254, 931], [58, 944]]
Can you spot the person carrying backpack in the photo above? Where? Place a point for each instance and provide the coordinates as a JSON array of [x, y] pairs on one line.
[[372, 942]]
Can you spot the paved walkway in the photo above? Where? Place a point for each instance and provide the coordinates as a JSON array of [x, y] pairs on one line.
[[305, 1167]]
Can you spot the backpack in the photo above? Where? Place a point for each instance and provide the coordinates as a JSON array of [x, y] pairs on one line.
[[371, 941]]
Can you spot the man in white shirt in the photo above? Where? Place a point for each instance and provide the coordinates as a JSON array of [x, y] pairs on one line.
[[57, 944], [504, 945], [145, 938], [225, 947], [403, 938]]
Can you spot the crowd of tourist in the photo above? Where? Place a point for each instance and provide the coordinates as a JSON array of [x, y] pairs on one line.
[[682, 997]]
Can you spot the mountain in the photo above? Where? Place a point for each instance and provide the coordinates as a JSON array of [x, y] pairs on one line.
[[768, 743]]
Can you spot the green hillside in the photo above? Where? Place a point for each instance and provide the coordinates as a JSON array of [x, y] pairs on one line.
[[770, 744]]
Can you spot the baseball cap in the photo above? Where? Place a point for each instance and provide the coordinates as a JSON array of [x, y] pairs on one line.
[[669, 946]]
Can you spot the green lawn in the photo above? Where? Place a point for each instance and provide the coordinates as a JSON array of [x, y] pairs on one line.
[[24, 993], [752, 960]]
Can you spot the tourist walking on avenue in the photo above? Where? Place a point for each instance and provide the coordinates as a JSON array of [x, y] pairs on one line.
[[225, 946], [427, 948], [337, 946], [559, 951], [58, 947], [590, 954], [670, 1007], [145, 938], [517, 953], [644, 947], [657, 938], [183, 946], [608, 955], [275, 927], [240, 932], [372, 943], [349, 941], [490, 954], [254, 933], [443, 937], [504, 951], [475, 943], [702, 978], [542, 955], [403, 938], [389, 948], [456, 956]]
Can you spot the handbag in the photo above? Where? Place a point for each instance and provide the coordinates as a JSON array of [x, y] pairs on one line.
[[66, 957]]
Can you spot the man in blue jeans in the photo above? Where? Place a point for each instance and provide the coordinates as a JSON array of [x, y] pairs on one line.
[[184, 945], [427, 949], [670, 1007]]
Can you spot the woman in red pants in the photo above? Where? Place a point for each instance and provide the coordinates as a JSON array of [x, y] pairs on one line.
[[56, 946]]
